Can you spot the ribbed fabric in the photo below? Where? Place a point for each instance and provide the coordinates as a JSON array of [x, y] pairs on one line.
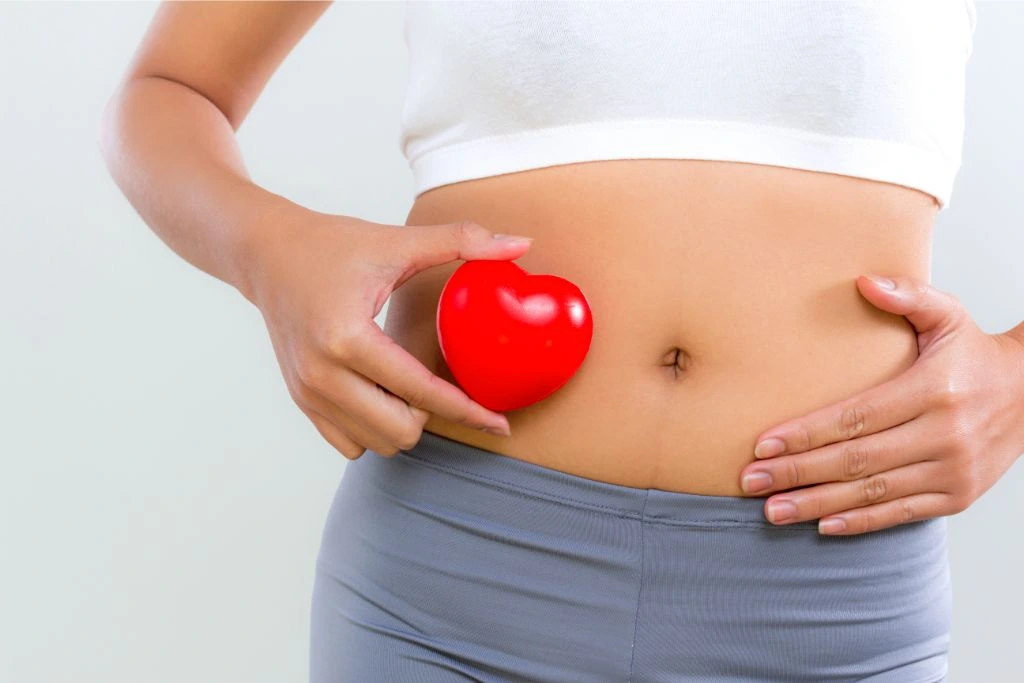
[[855, 87], [449, 562]]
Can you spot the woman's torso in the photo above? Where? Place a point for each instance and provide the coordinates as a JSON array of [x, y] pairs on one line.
[[523, 117], [748, 270]]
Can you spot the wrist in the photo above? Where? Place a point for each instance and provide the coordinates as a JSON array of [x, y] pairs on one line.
[[269, 218]]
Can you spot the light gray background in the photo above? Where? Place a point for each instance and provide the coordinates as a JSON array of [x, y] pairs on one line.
[[161, 497]]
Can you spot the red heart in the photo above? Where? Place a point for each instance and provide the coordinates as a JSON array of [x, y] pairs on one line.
[[511, 338]]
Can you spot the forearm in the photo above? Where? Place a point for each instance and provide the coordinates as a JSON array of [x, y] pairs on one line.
[[175, 157]]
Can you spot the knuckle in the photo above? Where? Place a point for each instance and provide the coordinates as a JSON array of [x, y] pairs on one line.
[[310, 374], [420, 417], [353, 452], [801, 438], [794, 472], [865, 522], [874, 488], [409, 437], [338, 440], [921, 289], [947, 394], [307, 400], [340, 342], [416, 395], [299, 396], [949, 478], [967, 481], [468, 231], [959, 450], [958, 503], [816, 507], [463, 417], [956, 451], [957, 476], [906, 511], [851, 421], [854, 461]]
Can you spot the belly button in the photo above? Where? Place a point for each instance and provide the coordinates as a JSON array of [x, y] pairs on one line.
[[677, 361]]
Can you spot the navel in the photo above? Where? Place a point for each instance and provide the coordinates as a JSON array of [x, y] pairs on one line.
[[676, 361]]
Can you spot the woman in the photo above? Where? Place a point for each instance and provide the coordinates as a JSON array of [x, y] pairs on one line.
[[720, 180]]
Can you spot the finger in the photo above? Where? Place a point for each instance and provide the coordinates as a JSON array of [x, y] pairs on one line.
[[883, 406], [925, 307], [392, 422], [351, 423], [334, 436], [826, 499], [421, 416], [434, 245], [911, 508], [378, 357], [843, 461]]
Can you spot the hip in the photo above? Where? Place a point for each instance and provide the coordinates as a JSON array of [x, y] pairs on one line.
[[478, 566]]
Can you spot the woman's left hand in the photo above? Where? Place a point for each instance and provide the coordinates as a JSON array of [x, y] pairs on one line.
[[926, 443]]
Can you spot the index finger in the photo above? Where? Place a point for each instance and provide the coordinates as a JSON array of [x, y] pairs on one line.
[[885, 405], [380, 358]]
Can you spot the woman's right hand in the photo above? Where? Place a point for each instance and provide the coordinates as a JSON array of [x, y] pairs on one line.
[[319, 282]]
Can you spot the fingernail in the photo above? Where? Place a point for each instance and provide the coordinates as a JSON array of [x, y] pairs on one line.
[[514, 239], [831, 526], [769, 448], [883, 282], [755, 481], [498, 430], [781, 511]]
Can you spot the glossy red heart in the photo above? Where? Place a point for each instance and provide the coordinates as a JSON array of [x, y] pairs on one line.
[[511, 338]]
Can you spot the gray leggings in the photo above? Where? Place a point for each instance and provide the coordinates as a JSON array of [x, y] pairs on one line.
[[449, 562]]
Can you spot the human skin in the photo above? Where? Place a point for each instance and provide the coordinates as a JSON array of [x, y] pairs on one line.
[[759, 274], [728, 298], [168, 138]]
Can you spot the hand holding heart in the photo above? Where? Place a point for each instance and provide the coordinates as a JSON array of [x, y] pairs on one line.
[[927, 443], [319, 282]]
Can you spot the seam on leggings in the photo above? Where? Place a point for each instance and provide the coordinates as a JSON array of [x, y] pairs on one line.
[[640, 591], [733, 523], [608, 509]]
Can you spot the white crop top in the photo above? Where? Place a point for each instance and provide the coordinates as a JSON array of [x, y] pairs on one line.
[[866, 88]]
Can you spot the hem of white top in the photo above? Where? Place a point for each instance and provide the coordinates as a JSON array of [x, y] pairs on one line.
[[869, 158]]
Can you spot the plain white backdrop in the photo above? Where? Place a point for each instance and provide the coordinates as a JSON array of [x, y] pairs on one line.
[[161, 497]]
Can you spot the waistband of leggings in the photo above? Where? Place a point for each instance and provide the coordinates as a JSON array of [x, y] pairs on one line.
[[495, 469]]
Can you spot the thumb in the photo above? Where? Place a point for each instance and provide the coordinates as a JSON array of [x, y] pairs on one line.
[[433, 245], [924, 306]]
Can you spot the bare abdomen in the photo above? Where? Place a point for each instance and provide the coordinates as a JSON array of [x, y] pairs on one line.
[[723, 298]]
